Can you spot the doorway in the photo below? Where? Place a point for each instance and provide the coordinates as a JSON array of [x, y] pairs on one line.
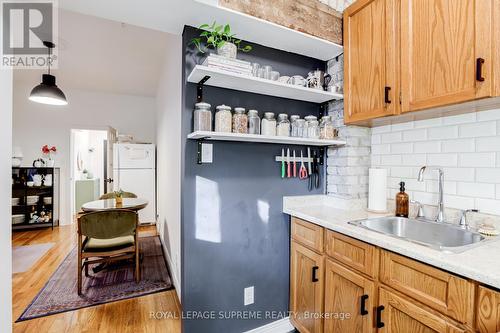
[[89, 166]]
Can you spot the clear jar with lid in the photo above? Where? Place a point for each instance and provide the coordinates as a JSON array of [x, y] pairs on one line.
[[298, 128], [253, 122], [326, 129], [202, 117], [240, 121], [312, 127], [268, 125], [223, 119], [283, 126]]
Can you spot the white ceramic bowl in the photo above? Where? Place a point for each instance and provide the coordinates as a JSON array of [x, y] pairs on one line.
[[18, 218], [47, 200]]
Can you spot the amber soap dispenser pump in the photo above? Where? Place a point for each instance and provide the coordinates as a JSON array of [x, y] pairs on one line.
[[402, 201]]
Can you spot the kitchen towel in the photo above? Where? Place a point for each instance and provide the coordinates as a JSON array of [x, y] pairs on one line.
[[377, 190]]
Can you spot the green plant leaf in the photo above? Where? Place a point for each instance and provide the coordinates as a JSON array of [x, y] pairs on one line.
[[203, 26], [247, 48], [227, 29], [210, 40], [218, 28], [221, 43], [204, 34]]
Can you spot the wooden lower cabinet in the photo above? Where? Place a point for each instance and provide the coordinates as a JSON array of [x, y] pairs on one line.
[[401, 314], [488, 310], [306, 289], [349, 300]]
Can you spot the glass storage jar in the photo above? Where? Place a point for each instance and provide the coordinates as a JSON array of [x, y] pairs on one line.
[[326, 129], [253, 122], [268, 124], [298, 127], [283, 126], [223, 119], [202, 117], [312, 127], [240, 121]]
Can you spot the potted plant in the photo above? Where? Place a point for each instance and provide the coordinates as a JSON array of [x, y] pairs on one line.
[[47, 152], [220, 38], [119, 198]]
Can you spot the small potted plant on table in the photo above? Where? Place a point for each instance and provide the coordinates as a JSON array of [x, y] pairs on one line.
[[119, 198]]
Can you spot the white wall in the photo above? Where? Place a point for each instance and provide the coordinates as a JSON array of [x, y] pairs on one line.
[[169, 99], [36, 124], [467, 146], [5, 199]]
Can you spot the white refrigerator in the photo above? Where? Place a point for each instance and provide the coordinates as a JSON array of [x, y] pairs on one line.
[[134, 171]]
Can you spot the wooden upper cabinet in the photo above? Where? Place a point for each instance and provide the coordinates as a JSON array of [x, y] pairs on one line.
[[402, 314], [348, 292], [370, 60], [488, 311], [306, 288], [446, 53]]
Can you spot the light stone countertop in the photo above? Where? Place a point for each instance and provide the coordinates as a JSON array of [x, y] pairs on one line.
[[481, 263]]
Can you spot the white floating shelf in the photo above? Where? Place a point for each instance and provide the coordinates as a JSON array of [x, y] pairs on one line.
[[262, 139], [224, 79]]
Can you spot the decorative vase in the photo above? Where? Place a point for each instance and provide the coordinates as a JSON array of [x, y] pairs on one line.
[[50, 163], [119, 201], [228, 50], [16, 161]]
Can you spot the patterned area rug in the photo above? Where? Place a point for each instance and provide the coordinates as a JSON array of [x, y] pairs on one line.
[[115, 282]]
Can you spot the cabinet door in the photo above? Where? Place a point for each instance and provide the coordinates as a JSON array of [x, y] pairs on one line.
[[488, 311], [440, 50], [348, 293], [401, 314], [370, 60], [306, 289]]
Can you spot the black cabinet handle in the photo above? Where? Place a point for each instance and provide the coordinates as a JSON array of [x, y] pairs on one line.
[[362, 309], [479, 69], [380, 323], [314, 270], [387, 90]]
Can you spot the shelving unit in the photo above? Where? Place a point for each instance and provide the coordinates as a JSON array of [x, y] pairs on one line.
[[223, 79], [20, 176], [202, 135]]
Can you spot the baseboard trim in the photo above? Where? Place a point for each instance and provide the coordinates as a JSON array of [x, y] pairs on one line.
[[279, 326], [171, 269]]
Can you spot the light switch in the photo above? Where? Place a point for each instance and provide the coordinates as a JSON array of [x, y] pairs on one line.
[[248, 296], [207, 153]]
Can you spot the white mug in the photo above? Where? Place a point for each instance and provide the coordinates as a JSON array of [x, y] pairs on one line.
[[37, 180], [47, 180]]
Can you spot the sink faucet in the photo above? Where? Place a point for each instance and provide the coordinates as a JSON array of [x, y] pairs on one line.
[[440, 214]]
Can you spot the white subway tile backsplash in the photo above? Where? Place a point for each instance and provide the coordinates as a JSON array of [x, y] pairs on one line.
[[488, 144], [417, 160], [446, 132], [475, 130], [415, 135], [459, 119], [433, 122], [427, 147], [458, 202], [381, 129], [477, 160], [488, 115], [381, 149], [375, 160], [376, 139], [391, 137], [402, 172], [478, 190], [488, 175], [401, 148], [433, 187], [425, 198], [488, 206], [497, 191], [402, 126], [459, 174], [390, 160], [442, 160], [458, 146]]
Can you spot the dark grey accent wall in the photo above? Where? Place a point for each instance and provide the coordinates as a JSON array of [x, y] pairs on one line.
[[234, 233]]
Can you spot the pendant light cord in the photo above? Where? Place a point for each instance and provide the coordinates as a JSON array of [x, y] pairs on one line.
[[48, 60]]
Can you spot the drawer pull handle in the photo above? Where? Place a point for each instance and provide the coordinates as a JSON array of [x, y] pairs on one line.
[[386, 97], [479, 69], [380, 323], [314, 270], [363, 310]]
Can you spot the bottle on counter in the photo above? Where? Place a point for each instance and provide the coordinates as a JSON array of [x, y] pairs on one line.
[[268, 125], [202, 117], [283, 126], [253, 122], [223, 119], [240, 121], [402, 202]]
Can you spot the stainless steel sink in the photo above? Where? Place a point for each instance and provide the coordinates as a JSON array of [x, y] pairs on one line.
[[441, 236]]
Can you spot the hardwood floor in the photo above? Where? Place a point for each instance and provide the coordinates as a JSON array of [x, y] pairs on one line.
[[132, 315]]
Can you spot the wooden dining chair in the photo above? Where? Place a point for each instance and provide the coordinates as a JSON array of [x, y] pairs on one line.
[[107, 236], [112, 195]]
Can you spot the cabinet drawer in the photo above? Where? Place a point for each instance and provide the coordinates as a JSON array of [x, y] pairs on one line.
[[488, 310], [308, 234], [353, 253], [440, 290]]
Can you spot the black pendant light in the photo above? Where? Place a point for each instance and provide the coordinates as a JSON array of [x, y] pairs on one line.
[[47, 92]]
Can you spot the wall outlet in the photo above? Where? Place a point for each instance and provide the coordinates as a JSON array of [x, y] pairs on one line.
[[248, 296]]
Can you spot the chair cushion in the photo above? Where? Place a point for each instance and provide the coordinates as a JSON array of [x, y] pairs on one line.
[[110, 244]]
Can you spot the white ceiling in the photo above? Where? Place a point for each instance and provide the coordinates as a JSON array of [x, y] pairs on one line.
[[103, 55]]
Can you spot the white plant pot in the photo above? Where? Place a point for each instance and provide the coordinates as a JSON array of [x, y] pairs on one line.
[[50, 163], [228, 50]]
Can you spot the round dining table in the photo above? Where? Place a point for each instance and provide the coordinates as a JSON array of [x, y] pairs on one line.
[[109, 204]]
